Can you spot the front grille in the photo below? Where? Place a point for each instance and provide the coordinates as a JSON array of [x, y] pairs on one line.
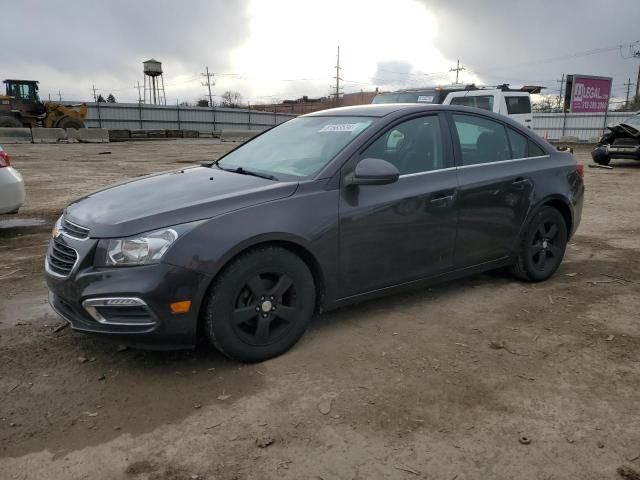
[[74, 230], [61, 258]]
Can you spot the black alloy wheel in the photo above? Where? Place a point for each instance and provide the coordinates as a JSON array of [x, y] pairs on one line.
[[265, 308], [543, 246], [260, 305]]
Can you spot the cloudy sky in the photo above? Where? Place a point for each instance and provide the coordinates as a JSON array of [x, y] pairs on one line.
[[270, 50]]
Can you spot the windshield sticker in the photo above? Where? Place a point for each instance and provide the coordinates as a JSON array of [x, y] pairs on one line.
[[425, 98], [343, 127]]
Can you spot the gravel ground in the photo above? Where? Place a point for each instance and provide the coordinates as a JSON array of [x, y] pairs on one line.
[[441, 383]]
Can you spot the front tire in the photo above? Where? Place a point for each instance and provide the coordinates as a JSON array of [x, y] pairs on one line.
[[70, 122], [7, 121], [542, 247], [260, 305], [602, 159]]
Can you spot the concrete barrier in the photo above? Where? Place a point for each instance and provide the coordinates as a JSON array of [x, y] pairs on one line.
[[138, 133], [119, 134], [93, 135], [174, 133], [237, 135], [73, 135], [568, 139], [156, 133], [15, 135], [48, 135]]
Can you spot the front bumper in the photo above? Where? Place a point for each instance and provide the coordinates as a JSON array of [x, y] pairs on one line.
[[617, 151], [155, 286]]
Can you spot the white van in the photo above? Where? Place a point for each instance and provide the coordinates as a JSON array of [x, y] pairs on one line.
[[514, 103]]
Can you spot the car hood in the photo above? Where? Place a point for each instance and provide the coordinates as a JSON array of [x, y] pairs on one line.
[[171, 198]]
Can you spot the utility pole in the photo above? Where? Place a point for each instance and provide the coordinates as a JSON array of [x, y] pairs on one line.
[[59, 96], [560, 93], [139, 94], [208, 84], [337, 78], [638, 80], [95, 98], [458, 69], [628, 84], [636, 54]]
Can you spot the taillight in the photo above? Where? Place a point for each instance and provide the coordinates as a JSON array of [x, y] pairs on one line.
[[5, 161], [580, 170]]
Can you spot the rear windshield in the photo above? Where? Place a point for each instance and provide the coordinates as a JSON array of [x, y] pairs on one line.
[[519, 104], [421, 96]]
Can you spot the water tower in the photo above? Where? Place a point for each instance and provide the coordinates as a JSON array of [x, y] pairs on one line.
[[155, 82]]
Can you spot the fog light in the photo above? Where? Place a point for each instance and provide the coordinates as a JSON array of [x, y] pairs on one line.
[[180, 307]]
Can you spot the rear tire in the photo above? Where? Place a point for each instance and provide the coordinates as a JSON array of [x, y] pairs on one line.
[[260, 305], [70, 122], [542, 247], [9, 122]]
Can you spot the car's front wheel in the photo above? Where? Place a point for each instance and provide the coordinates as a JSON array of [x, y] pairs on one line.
[[543, 245], [602, 158], [260, 305]]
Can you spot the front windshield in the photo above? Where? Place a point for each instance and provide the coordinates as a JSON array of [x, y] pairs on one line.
[[298, 148], [422, 96], [633, 121]]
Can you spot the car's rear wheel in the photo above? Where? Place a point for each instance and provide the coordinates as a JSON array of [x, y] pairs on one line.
[[543, 246], [260, 305]]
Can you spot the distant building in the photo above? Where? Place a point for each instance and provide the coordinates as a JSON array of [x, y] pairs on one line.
[[305, 104]]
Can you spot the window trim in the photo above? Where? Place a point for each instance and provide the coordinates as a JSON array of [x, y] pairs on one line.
[[503, 161]]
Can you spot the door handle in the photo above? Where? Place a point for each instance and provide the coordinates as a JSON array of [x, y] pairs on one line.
[[440, 199], [520, 181]]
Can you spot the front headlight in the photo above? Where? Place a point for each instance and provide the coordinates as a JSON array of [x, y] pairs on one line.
[[141, 250]]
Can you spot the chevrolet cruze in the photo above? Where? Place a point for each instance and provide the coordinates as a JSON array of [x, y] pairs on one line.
[[323, 210]]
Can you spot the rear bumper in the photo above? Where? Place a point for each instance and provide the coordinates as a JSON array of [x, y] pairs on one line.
[[155, 286], [12, 193]]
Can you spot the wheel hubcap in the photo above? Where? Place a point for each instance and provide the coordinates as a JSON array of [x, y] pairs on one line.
[[544, 247], [266, 308]]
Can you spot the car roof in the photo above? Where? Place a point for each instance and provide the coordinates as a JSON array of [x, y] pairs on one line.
[[383, 109]]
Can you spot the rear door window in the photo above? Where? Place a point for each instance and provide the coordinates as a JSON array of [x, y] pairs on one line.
[[518, 144], [518, 104], [481, 140], [522, 146]]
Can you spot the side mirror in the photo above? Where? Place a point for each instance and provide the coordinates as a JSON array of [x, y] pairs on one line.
[[373, 171]]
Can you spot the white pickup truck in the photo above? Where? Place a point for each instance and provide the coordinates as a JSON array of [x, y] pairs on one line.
[[514, 103]]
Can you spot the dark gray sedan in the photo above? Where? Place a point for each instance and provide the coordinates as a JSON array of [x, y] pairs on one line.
[[327, 209]]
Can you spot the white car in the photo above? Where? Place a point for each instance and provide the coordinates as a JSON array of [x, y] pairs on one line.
[[514, 103], [11, 185]]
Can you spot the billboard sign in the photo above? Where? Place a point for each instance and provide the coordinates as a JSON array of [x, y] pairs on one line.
[[590, 94]]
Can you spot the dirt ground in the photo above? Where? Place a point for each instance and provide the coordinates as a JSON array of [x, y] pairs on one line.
[[411, 386]]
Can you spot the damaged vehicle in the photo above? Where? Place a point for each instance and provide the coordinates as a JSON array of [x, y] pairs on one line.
[[621, 141], [327, 209]]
